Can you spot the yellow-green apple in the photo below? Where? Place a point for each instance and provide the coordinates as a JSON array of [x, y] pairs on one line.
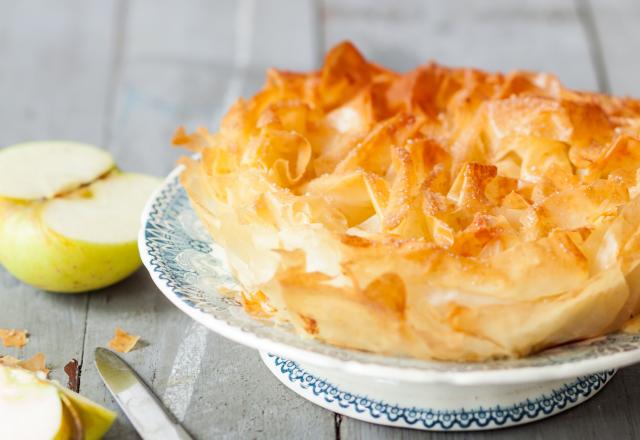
[[72, 230]]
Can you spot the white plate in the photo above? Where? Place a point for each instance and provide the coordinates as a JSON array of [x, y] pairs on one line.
[[189, 268]]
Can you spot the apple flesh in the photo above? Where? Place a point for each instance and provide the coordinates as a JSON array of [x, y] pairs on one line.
[[34, 408], [39, 170], [30, 408], [83, 241]]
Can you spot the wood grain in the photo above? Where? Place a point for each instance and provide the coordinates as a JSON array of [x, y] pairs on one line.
[[124, 74], [616, 26]]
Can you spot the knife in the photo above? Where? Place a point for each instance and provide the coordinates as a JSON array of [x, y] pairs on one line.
[[141, 406]]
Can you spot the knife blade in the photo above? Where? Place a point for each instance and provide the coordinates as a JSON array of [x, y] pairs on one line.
[[141, 406]]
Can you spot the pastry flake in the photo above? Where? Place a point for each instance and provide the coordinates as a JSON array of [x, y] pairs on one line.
[[122, 341], [14, 338], [35, 364]]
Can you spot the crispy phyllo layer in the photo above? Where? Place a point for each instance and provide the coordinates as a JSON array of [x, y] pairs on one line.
[[443, 213]]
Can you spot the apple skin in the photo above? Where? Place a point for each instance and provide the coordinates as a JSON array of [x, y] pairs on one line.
[[94, 419], [39, 256]]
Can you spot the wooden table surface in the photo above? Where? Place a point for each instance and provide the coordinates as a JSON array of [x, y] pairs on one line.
[[123, 74]]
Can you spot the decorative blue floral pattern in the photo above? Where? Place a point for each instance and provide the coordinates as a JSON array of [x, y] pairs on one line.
[[462, 419], [181, 254]]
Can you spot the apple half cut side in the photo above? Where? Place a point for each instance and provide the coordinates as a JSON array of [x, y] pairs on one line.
[[84, 240], [32, 407], [40, 170]]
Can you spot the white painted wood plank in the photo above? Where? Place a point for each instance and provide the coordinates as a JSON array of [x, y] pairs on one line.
[[193, 30], [54, 69], [53, 75], [236, 396], [152, 100], [285, 35], [498, 35], [616, 24], [278, 32], [24, 307]]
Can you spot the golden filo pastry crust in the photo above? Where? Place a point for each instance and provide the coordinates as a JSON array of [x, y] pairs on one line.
[[442, 213]]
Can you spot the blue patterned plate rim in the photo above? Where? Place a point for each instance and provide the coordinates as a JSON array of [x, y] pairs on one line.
[[367, 408], [188, 268]]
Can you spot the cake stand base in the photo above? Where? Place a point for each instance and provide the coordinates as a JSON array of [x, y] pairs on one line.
[[433, 406]]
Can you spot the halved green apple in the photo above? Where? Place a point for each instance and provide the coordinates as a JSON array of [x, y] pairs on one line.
[[85, 236], [32, 407]]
